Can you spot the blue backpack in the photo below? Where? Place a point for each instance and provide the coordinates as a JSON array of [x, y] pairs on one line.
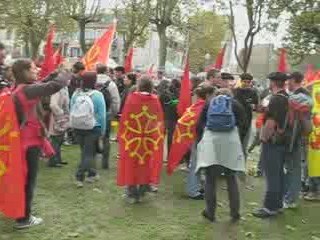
[[220, 116]]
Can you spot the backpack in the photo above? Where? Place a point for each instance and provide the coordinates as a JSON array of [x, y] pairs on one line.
[[220, 116], [106, 94], [82, 111]]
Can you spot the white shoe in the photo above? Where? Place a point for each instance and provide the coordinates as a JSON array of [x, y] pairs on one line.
[[79, 184], [96, 178], [290, 205], [33, 221]]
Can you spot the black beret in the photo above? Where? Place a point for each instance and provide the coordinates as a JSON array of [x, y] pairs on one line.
[[278, 76]]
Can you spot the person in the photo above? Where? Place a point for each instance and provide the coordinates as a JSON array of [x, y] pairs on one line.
[[294, 159], [160, 78], [273, 150], [130, 81], [214, 78], [59, 123], [88, 119], [112, 100], [194, 187], [3, 82], [135, 171], [77, 69], [119, 73], [227, 80], [220, 150], [27, 96], [249, 98]]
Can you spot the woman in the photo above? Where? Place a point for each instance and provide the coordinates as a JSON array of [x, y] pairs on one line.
[[221, 152], [27, 96], [59, 123], [130, 81], [88, 135]]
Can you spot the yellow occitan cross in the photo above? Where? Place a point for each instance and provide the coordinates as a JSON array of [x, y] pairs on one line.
[[138, 131], [187, 123]]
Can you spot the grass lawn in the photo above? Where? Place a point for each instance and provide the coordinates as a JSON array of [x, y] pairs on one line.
[[98, 212]]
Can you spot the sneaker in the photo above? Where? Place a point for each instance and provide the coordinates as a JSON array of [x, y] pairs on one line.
[[79, 184], [33, 221], [153, 189], [200, 196], [93, 179], [290, 205], [264, 213], [312, 197]]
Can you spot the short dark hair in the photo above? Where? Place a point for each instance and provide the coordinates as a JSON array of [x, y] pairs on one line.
[[212, 73], [88, 80], [246, 76], [101, 69], [145, 84], [132, 77], [297, 77], [203, 90], [2, 47], [227, 76], [18, 69], [78, 67], [120, 69], [278, 78]]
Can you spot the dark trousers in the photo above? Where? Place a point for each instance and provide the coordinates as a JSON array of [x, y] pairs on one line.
[[32, 157], [106, 149], [88, 145], [56, 143], [137, 191], [170, 130], [212, 175], [273, 158]]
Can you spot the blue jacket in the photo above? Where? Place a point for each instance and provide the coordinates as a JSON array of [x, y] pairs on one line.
[[99, 108]]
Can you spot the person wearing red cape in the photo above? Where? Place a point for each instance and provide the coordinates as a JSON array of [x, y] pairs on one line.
[[141, 137]]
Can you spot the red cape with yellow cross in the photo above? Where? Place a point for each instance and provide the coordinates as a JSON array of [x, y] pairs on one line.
[[184, 135], [141, 136], [12, 166]]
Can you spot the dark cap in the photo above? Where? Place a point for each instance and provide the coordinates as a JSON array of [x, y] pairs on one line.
[[278, 76]]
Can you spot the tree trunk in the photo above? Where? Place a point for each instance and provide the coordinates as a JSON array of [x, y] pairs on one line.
[[82, 36], [163, 46], [26, 47], [34, 44]]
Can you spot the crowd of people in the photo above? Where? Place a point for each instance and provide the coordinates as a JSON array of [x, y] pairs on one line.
[[80, 106]]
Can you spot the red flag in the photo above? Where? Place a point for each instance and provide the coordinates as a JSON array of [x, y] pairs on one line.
[[184, 135], [128, 61], [100, 50], [48, 65], [58, 57], [282, 65], [219, 60], [185, 91], [309, 74], [12, 166], [141, 136]]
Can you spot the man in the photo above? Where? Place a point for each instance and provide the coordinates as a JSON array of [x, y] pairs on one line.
[[228, 80], [293, 159], [119, 78], [214, 78], [248, 97], [3, 82], [273, 150], [112, 98], [77, 68]]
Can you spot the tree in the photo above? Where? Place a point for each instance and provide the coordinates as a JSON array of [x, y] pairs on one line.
[[133, 22], [207, 31], [82, 12], [255, 10], [303, 36], [31, 20]]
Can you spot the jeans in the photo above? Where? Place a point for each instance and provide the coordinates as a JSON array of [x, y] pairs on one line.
[[106, 143], [246, 141], [273, 158], [88, 145], [193, 179], [293, 175], [32, 157], [56, 143], [212, 175], [314, 185]]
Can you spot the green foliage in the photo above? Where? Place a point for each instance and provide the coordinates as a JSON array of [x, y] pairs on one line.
[[207, 31], [31, 19]]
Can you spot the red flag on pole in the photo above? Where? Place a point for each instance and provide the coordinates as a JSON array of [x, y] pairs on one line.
[[100, 50], [219, 60], [128, 61], [283, 65], [58, 57], [309, 74], [184, 135], [185, 91], [48, 65], [12, 165]]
